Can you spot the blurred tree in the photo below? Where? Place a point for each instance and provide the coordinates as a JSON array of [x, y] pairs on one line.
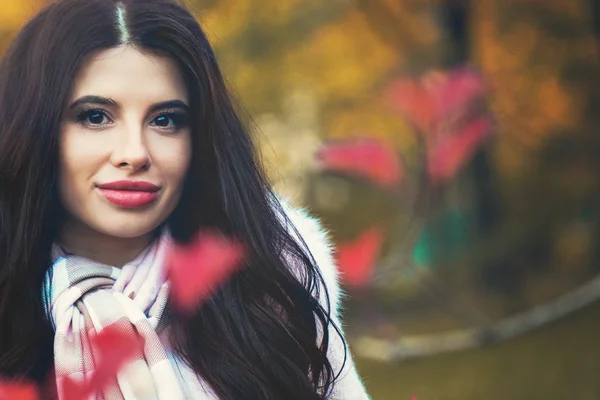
[[455, 20], [544, 65], [524, 46], [595, 13]]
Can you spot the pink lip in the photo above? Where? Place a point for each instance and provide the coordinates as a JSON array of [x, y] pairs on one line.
[[129, 194]]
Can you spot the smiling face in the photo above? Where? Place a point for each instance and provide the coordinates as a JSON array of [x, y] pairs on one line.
[[125, 143]]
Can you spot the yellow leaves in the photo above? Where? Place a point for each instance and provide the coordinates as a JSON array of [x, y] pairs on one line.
[[253, 83], [414, 19], [226, 19], [531, 107], [570, 9], [525, 64], [344, 60], [15, 13], [559, 105], [281, 11], [373, 119]]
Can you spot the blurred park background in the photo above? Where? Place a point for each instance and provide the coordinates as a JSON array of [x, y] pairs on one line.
[[452, 149]]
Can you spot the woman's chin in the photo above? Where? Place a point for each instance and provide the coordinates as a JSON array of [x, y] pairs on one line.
[[128, 229]]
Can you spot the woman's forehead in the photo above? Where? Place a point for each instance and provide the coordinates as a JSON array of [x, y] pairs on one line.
[[126, 72]]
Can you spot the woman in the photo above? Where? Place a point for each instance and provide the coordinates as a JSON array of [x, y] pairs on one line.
[[118, 136]]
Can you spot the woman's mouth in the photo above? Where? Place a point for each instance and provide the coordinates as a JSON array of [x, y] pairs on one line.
[[129, 194]]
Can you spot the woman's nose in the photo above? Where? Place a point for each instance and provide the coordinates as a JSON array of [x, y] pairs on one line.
[[130, 151]]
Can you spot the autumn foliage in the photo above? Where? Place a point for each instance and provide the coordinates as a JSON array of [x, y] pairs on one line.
[[446, 109]]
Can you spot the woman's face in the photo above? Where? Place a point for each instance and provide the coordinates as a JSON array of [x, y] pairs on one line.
[[125, 143]]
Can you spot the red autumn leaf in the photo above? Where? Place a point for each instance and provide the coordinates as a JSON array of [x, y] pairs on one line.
[[113, 347], [357, 259], [73, 390], [412, 100], [366, 158], [440, 104], [197, 268], [453, 151], [18, 390], [458, 89], [426, 102]]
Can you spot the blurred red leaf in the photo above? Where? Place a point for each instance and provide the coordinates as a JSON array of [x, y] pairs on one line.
[[114, 346], [413, 101], [427, 101], [357, 259], [197, 268], [18, 390], [367, 158], [441, 105], [73, 390], [455, 90], [451, 152]]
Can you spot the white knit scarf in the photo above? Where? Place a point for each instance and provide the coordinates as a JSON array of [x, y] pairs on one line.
[[86, 297]]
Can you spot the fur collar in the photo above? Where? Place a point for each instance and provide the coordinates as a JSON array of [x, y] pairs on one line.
[[314, 238]]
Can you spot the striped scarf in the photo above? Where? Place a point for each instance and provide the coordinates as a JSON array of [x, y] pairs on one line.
[[86, 297]]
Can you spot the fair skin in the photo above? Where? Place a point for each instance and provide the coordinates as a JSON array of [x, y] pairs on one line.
[[126, 119]]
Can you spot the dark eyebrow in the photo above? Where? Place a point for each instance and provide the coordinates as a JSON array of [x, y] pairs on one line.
[[169, 104], [95, 100], [111, 102]]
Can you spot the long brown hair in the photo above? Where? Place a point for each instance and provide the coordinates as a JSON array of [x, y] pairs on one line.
[[259, 335]]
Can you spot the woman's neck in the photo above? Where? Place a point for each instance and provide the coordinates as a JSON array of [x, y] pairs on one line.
[[81, 240]]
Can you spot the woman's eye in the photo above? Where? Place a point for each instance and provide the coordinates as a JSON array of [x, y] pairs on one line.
[[163, 121], [93, 117], [171, 120]]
